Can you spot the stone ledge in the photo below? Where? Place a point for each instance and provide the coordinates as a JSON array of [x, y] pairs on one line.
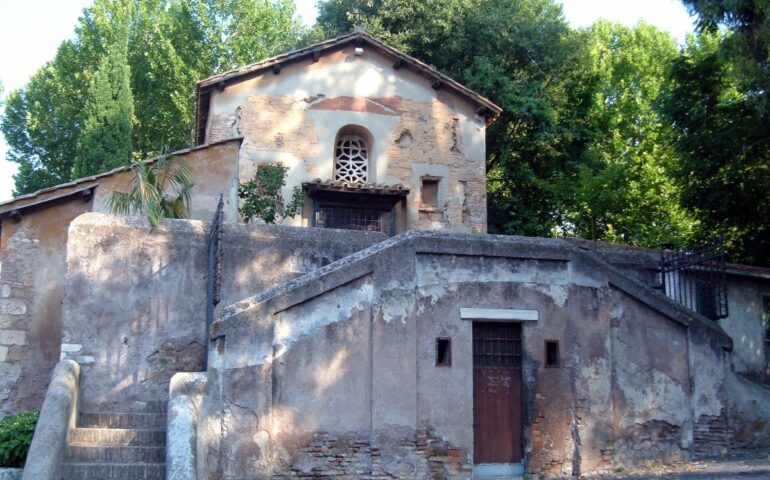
[[11, 473]]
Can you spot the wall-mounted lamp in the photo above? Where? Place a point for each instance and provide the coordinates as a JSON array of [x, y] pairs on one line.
[[359, 51]]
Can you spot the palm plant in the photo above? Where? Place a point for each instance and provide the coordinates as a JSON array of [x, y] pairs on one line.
[[159, 189]]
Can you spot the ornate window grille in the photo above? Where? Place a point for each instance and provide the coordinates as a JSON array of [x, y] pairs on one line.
[[351, 163]]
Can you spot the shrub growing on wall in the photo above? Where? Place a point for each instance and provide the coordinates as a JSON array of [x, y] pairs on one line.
[[15, 437], [262, 196]]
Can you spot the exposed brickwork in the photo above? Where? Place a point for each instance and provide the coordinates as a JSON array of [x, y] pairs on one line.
[[353, 457], [277, 124], [223, 127], [550, 455], [435, 139], [353, 104], [711, 435], [654, 440], [427, 140]]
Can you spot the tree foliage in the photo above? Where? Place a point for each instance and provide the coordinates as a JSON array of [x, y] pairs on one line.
[[171, 45], [104, 142], [622, 190], [15, 438], [719, 106], [41, 122]]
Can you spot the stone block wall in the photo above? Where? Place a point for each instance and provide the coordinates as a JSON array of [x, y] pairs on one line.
[[15, 295]]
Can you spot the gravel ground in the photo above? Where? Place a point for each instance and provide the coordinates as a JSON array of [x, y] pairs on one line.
[[739, 467]]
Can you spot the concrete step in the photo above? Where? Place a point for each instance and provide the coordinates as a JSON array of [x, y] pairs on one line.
[[122, 420], [118, 436], [102, 471], [81, 453], [133, 406]]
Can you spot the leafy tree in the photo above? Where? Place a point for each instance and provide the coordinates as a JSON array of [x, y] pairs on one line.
[[623, 191], [160, 188], [171, 45], [723, 133], [105, 139], [748, 44], [721, 108], [41, 122]]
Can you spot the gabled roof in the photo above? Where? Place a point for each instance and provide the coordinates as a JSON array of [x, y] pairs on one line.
[[484, 106]]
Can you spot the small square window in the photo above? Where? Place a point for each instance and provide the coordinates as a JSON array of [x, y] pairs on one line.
[[429, 192], [443, 352], [551, 354]]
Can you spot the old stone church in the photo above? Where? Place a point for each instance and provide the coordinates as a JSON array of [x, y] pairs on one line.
[[380, 333]]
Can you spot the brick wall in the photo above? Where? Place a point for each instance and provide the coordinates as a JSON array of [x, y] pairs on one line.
[[351, 456], [418, 138], [711, 435]]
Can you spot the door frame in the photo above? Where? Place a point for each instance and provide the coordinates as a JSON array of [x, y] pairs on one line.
[[502, 315]]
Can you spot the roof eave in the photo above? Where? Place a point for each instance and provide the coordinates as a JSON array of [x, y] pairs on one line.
[[484, 107]]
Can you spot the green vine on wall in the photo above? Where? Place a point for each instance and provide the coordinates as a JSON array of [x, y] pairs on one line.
[[262, 196]]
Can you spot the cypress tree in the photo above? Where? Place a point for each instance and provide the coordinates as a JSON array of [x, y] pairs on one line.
[[105, 139]]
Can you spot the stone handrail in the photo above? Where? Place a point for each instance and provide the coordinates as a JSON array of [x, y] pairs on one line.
[[57, 418], [185, 393]]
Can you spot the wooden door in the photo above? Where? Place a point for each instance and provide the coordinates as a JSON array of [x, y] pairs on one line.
[[497, 405]]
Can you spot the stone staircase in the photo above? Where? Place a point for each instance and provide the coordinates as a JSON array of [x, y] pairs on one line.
[[122, 442]]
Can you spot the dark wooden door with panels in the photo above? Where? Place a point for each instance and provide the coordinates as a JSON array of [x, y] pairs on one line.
[[497, 399]]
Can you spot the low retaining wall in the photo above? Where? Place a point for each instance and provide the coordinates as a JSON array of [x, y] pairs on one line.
[[135, 306], [57, 417]]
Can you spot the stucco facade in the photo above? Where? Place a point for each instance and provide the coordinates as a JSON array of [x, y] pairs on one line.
[[412, 127], [747, 294], [300, 373]]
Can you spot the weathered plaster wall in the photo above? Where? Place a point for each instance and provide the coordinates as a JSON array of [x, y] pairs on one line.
[[749, 412], [215, 172], [335, 374], [745, 288], [746, 327], [33, 269], [294, 117], [135, 301], [33, 252]]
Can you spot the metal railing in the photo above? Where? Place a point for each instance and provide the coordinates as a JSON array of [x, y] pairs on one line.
[[214, 270], [696, 279]]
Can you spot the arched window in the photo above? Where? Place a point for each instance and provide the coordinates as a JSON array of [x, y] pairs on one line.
[[351, 159]]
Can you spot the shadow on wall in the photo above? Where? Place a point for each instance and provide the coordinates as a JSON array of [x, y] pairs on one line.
[[134, 312], [135, 309]]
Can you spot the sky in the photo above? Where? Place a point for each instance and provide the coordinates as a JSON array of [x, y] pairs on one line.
[[31, 30]]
